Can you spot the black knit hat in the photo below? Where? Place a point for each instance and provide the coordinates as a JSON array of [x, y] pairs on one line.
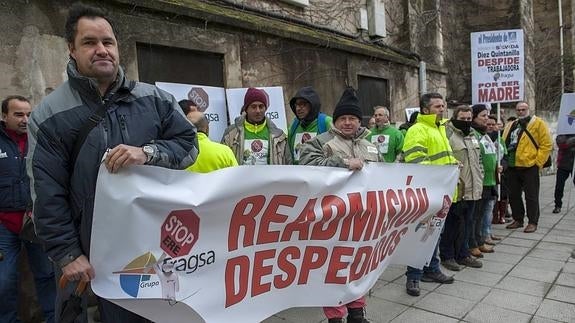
[[348, 105], [477, 109]]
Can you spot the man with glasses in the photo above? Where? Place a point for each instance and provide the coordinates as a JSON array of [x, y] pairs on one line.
[[528, 146], [308, 122]]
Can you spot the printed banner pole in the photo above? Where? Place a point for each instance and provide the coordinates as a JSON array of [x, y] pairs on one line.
[[499, 152]]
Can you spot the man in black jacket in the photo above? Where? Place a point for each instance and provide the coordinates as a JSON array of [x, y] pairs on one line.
[[141, 125], [14, 210]]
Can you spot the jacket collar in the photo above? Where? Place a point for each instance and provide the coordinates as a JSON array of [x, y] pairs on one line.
[[88, 87], [361, 133], [273, 129], [430, 120]]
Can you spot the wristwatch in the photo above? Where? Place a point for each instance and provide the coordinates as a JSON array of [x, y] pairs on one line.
[[150, 152]]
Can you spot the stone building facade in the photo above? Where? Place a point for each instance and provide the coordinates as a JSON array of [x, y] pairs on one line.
[[233, 43], [539, 20]]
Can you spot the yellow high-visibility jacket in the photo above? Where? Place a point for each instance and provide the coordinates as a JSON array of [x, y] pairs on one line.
[[426, 143]]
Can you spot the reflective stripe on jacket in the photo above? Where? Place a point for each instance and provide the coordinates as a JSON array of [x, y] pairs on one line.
[[426, 143]]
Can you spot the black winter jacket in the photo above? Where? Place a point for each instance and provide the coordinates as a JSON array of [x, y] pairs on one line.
[[63, 194], [14, 183]]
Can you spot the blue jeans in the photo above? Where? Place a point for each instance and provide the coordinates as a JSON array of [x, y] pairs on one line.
[[487, 217], [416, 273], [10, 246]]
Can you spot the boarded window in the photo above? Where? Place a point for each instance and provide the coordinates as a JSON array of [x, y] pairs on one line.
[[176, 65], [372, 91]]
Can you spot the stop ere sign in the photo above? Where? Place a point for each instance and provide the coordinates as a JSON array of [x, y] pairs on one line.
[[179, 232]]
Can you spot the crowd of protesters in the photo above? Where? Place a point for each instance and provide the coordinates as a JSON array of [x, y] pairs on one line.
[[49, 161]]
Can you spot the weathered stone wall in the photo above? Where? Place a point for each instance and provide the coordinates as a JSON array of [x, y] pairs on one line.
[[31, 56], [340, 15], [460, 18], [255, 52], [540, 21], [425, 36], [547, 53]]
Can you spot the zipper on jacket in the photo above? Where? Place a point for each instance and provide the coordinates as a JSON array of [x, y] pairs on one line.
[[105, 131], [124, 129]]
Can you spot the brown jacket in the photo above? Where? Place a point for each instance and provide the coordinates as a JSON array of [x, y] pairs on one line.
[[332, 148]]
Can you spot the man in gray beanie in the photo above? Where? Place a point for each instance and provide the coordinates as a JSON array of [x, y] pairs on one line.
[[345, 146]]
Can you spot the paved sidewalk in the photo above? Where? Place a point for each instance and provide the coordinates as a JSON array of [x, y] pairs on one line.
[[529, 278]]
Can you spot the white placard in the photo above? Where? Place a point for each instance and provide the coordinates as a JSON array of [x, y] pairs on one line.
[[210, 100], [410, 111], [497, 66], [566, 118]]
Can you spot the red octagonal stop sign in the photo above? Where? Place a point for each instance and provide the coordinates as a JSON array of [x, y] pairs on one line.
[[179, 233]]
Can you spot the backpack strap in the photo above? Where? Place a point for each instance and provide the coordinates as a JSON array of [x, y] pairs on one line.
[[96, 117], [525, 131], [321, 126], [291, 134], [294, 125]]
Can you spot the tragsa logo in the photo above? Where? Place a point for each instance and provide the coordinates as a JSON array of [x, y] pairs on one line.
[[137, 274]]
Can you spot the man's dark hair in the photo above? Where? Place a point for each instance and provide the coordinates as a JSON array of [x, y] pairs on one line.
[[492, 117], [185, 105], [79, 10], [426, 100], [10, 98]]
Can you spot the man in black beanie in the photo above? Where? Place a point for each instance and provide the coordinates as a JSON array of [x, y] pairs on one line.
[[345, 146]]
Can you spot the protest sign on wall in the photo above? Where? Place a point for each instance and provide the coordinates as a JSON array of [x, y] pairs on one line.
[[497, 66], [241, 244], [209, 100]]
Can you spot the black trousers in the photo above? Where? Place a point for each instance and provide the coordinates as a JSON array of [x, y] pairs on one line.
[[560, 179], [453, 244], [524, 180]]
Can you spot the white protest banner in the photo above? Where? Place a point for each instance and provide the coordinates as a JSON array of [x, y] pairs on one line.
[[241, 244], [497, 66], [276, 111], [209, 100], [566, 118]]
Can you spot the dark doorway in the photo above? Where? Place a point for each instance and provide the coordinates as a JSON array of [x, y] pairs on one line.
[[176, 65], [372, 91]]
